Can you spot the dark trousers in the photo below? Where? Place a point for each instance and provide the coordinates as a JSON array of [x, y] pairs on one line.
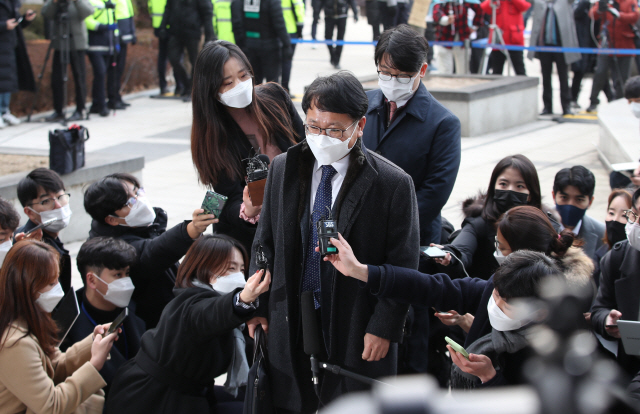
[[497, 60], [163, 58], [114, 75], [288, 63], [266, 60], [100, 62], [175, 48], [546, 62], [605, 67], [430, 35], [317, 8], [78, 69], [576, 86], [329, 25], [401, 16]]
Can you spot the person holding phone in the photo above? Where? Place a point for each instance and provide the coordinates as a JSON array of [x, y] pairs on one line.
[[196, 339], [120, 208], [34, 375], [231, 125]]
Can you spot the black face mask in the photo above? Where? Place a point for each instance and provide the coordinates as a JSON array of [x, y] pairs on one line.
[[615, 232], [506, 199]]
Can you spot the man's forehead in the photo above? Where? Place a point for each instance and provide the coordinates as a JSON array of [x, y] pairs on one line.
[[43, 193]]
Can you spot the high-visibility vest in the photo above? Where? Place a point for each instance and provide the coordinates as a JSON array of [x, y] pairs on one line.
[[156, 10], [101, 41], [293, 13], [222, 20], [124, 9]]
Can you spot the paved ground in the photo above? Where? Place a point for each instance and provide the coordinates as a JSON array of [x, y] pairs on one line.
[[160, 130]]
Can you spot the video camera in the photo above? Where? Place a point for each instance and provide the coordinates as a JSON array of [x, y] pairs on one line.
[[257, 171], [604, 5], [109, 4]]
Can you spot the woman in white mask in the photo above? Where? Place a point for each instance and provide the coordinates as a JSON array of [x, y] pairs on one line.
[[521, 228], [33, 371], [233, 120], [196, 339]]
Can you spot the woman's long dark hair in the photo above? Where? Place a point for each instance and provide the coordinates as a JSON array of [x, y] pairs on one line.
[[490, 211], [213, 149], [27, 269]]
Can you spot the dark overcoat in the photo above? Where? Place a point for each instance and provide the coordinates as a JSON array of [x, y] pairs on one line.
[[423, 140], [591, 232], [377, 214], [15, 67]]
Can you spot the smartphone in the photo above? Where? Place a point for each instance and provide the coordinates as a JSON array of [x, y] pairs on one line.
[[213, 203], [118, 322], [41, 226], [19, 19], [433, 252], [456, 347], [611, 326]]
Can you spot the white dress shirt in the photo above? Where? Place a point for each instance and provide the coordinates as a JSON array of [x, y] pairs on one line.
[[341, 167]]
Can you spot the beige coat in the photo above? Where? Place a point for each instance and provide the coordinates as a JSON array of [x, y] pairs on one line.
[[30, 382]]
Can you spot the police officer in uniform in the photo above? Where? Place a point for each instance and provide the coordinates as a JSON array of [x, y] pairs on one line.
[[222, 20], [260, 31], [293, 13], [156, 11], [127, 33]]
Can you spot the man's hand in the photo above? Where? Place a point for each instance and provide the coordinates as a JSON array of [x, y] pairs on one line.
[[478, 365], [453, 318], [11, 24], [36, 235], [200, 223], [375, 348], [253, 324], [612, 319], [249, 209], [30, 15], [345, 261], [446, 260]]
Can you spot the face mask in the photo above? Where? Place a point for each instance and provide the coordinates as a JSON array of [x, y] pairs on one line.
[[240, 96], [62, 216], [328, 150], [50, 299], [118, 292], [570, 215], [635, 108], [4, 249], [615, 231], [396, 91], [142, 213], [506, 199], [226, 284], [499, 256], [633, 235], [500, 321]]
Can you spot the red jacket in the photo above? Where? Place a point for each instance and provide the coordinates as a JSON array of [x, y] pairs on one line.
[[620, 33], [460, 26], [509, 19]]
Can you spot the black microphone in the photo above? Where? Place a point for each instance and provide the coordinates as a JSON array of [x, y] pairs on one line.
[[311, 335], [264, 158]]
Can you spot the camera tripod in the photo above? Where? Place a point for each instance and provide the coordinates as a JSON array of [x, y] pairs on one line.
[[63, 33], [495, 33]]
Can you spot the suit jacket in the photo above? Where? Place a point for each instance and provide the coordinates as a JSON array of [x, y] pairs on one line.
[[377, 214], [592, 233], [565, 23], [30, 382], [423, 140]]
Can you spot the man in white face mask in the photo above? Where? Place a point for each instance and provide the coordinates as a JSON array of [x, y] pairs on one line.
[[44, 197], [104, 264], [120, 209], [373, 203]]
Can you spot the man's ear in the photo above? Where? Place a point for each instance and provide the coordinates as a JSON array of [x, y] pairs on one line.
[[423, 69], [32, 215], [591, 201], [91, 281], [112, 221]]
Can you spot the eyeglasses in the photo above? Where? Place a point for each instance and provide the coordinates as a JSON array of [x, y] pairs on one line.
[[50, 203], [133, 200], [402, 78], [630, 216], [331, 132]]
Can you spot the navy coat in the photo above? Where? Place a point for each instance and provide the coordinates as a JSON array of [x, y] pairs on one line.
[[423, 140]]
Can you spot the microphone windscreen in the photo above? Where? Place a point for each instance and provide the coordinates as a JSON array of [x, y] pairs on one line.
[[264, 158], [310, 332]]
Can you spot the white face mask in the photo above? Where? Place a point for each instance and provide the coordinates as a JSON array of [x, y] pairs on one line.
[[397, 92], [141, 214], [50, 299], [499, 256], [633, 234], [226, 284], [240, 96], [4, 249], [328, 150], [500, 321], [62, 216], [119, 291], [635, 108]]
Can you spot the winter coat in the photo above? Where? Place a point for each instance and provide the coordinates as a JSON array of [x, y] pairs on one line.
[[187, 18], [509, 19], [77, 11], [423, 140], [619, 287], [591, 233], [178, 360], [15, 67], [230, 222], [270, 26], [565, 24], [31, 382], [620, 31], [128, 342], [155, 271], [377, 213]]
